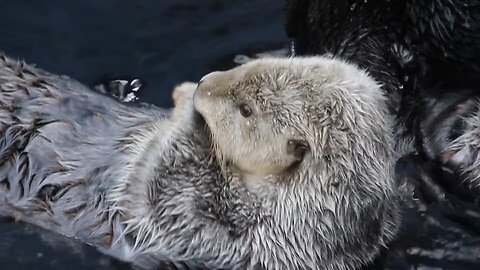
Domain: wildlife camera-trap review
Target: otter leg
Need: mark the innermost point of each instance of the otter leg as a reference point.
(182, 99)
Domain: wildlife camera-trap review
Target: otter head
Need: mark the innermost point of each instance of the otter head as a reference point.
(254, 118)
(266, 116)
(311, 139)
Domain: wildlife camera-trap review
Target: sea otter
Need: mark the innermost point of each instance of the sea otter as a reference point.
(275, 164)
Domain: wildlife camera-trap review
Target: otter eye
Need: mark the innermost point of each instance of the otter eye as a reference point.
(245, 110)
(297, 148)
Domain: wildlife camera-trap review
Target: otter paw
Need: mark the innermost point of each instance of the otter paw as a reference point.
(183, 92)
(182, 98)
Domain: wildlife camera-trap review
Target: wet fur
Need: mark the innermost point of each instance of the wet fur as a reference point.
(145, 187)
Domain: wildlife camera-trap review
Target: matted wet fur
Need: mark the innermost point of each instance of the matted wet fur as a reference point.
(306, 182)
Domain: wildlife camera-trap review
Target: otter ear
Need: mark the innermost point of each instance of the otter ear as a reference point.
(297, 148)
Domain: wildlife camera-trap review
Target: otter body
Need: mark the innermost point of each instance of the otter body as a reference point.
(290, 171)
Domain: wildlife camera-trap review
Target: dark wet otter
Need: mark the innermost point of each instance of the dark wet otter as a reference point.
(299, 176)
(426, 54)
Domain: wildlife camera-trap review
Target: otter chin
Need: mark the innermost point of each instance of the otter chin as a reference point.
(289, 167)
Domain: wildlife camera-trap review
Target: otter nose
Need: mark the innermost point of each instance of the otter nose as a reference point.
(209, 76)
(207, 84)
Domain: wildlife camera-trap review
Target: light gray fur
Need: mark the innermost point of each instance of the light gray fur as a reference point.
(143, 187)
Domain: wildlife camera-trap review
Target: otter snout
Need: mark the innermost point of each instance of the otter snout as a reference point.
(210, 87)
(209, 84)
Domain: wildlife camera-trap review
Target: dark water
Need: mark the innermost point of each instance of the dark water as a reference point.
(162, 42)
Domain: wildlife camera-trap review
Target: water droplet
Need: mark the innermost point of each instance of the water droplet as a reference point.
(209, 93)
(135, 85)
(353, 6)
(292, 48)
(400, 86)
(130, 97)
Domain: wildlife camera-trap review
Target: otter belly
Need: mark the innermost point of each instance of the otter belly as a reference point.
(61, 146)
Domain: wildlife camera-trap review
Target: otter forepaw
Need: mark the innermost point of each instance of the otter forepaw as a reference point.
(183, 98)
(182, 92)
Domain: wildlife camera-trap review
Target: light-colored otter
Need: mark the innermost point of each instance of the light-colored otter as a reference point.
(294, 169)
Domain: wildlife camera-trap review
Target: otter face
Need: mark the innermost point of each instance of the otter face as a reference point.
(249, 110)
(269, 116)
